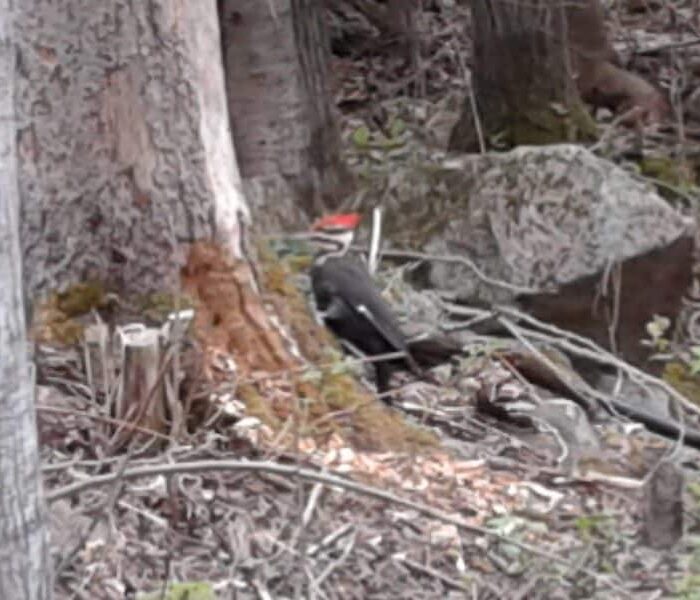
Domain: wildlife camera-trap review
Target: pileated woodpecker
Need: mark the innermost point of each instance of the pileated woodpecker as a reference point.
(351, 306)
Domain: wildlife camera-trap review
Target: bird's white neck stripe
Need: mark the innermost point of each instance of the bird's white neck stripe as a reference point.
(335, 244)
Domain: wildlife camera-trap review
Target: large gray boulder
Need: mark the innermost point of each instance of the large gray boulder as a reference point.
(560, 226)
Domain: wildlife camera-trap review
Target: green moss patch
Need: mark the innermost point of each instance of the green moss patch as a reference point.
(183, 591)
(679, 377)
(665, 169)
(61, 318)
(57, 319)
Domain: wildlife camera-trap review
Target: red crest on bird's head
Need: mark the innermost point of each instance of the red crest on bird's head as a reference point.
(340, 221)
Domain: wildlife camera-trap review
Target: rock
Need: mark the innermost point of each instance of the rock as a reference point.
(651, 399)
(539, 217)
(552, 223)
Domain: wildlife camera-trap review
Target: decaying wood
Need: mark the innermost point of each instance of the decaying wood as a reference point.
(126, 158)
(98, 359)
(135, 375)
(230, 317)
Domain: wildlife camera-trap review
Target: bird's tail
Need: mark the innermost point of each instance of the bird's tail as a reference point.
(429, 352)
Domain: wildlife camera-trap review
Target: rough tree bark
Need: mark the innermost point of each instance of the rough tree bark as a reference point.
(281, 113)
(128, 173)
(124, 144)
(525, 92)
(127, 170)
(599, 76)
(534, 62)
(25, 572)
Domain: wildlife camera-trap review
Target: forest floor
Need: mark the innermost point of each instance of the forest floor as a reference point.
(489, 510)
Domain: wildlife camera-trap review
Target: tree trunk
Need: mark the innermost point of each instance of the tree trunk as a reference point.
(599, 77)
(25, 571)
(525, 92)
(275, 58)
(127, 166)
(124, 145)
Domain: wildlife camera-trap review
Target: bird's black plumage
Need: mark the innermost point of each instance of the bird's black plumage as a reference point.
(355, 311)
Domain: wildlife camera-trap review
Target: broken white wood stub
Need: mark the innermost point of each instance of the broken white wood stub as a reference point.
(375, 241)
(140, 398)
(175, 328)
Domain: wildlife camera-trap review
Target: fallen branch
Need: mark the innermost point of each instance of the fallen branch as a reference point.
(586, 348)
(670, 46)
(316, 477)
(459, 260)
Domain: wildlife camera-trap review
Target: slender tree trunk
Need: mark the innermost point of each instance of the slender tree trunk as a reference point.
(525, 91)
(275, 57)
(124, 145)
(25, 571)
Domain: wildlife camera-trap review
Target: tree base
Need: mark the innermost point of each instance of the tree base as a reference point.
(528, 126)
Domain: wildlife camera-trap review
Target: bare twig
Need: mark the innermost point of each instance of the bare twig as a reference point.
(311, 504)
(625, 117)
(460, 260)
(581, 346)
(375, 241)
(669, 46)
(339, 561)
